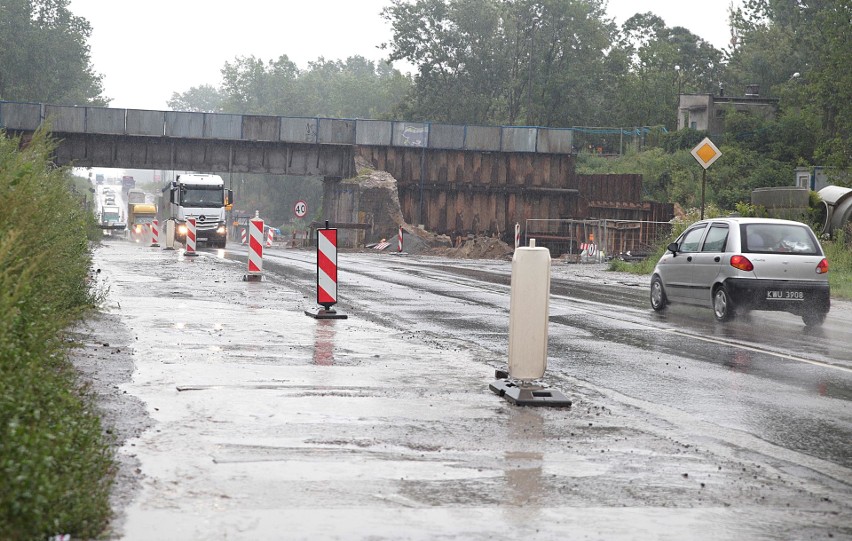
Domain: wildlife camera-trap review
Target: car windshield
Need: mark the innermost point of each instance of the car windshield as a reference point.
(202, 196)
(778, 238)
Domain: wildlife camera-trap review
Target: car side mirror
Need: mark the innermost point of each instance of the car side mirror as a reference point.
(672, 248)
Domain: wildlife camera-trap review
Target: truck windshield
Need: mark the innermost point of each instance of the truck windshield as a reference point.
(110, 216)
(202, 196)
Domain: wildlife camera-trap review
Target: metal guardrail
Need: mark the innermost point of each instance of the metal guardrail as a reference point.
(305, 130)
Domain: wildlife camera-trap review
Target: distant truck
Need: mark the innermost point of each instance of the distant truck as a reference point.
(134, 196)
(139, 218)
(198, 196)
(127, 182)
(110, 218)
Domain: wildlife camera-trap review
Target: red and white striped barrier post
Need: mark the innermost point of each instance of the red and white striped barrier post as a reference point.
(517, 235)
(155, 234)
(255, 255)
(243, 236)
(399, 243)
(326, 274)
(269, 238)
(190, 238)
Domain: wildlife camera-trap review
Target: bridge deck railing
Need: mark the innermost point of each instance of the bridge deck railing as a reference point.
(18, 116)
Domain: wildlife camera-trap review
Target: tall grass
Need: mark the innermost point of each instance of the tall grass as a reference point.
(839, 254)
(55, 466)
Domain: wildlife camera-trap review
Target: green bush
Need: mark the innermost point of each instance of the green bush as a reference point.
(838, 251)
(55, 465)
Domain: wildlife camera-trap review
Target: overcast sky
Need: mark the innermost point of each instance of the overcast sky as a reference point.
(148, 50)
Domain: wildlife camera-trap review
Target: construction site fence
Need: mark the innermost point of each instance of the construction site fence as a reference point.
(597, 241)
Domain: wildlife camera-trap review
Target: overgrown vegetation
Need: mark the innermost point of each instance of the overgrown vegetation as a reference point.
(55, 465)
(839, 254)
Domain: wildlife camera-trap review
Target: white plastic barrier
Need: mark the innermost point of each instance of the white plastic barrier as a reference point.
(529, 307)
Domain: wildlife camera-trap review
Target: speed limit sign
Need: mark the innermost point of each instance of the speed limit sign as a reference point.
(301, 209)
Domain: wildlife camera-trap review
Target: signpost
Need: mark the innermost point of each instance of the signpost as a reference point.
(705, 153)
(300, 209)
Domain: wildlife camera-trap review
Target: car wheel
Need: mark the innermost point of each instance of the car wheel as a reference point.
(814, 319)
(658, 295)
(723, 306)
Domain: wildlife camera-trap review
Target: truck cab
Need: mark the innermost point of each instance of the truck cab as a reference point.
(111, 218)
(198, 196)
(139, 218)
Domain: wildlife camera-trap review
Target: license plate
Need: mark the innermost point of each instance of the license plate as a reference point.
(202, 238)
(776, 295)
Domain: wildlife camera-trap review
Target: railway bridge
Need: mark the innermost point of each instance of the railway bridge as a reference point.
(451, 178)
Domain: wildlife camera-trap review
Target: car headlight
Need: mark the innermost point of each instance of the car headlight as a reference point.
(182, 229)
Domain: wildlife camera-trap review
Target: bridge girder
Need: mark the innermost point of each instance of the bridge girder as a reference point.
(271, 157)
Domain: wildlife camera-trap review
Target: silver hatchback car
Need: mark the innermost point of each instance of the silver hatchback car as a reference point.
(741, 264)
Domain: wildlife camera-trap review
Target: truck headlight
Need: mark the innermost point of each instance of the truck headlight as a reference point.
(182, 229)
(220, 230)
(138, 228)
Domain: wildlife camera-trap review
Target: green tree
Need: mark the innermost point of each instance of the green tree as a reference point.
(250, 85)
(458, 48)
(663, 62)
(351, 88)
(800, 51)
(44, 54)
(504, 62)
(204, 98)
(570, 66)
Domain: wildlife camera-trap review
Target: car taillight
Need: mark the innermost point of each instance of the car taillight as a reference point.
(822, 268)
(741, 262)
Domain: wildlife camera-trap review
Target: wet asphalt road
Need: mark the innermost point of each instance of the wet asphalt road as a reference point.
(681, 427)
(765, 374)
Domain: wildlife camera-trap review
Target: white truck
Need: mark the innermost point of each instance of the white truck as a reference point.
(110, 218)
(198, 196)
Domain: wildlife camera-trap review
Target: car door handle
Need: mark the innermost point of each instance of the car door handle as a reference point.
(689, 258)
(717, 259)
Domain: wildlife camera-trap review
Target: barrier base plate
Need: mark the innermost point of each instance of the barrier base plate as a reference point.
(252, 278)
(154, 246)
(530, 395)
(190, 254)
(322, 313)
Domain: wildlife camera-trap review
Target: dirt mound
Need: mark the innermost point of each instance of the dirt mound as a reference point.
(477, 248)
(376, 201)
